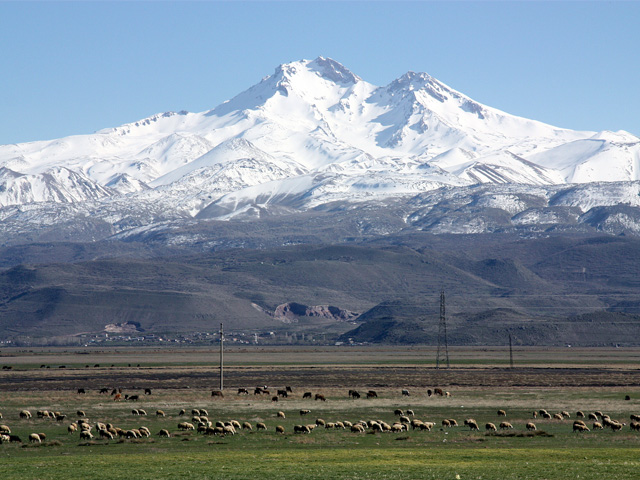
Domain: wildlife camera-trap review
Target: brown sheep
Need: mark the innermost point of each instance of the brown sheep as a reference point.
(280, 429)
(320, 397)
(164, 433)
(261, 426)
(247, 426)
(490, 427)
(502, 413)
(281, 415)
(580, 414)
(472, 424)
(577, 427)
(505, 426)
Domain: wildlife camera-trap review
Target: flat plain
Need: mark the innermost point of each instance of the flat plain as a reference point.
(480, 382)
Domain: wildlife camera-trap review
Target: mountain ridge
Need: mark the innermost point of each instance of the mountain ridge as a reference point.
(312, 130)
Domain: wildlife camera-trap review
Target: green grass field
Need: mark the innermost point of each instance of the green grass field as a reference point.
(554, 451)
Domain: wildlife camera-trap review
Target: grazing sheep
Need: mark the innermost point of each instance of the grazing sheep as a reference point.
(228, 429)
(147, 391)
(398, 411)
(282, 393)
(72, 428)
(372, 394)
(558, 416)
(81, 390)
(635, 426)
(404, 419)
(106, 434)
(186, 426)
(261, 426)
(531, 426)
(281, 415)
(275, 398)
(599, 413)
(505, 426)
(85, 435)
(347, 424)
(405, 392)
(145, 431)
(34, 438)
(301, 429)
(410, 413)
(14, 439)
(632, 417)
(438, 391)
(490, 427)
(159, 413)
(565, 414)
(502, 413)
(164, 433)
(217, 393)
(305, 412)
(580, 414)
(247, 426)
(616, 426)
(546, 416)
(577, 427)
(5, 429)
(320, 422)
(135, 412)
(307, 395)
(25, 414)
(357, 428)
(398, 427)
(416, 424)
(280, 429)
(534, 414)
(243, 391)
(452, 422)
(472, 424)
(4, 439)
(429, 392)
(340, 425)
(320, 397)
(236, 424)
(182, 412)
(597, 426)
(446, 423)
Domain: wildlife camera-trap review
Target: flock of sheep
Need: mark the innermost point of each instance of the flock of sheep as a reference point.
(200, 422)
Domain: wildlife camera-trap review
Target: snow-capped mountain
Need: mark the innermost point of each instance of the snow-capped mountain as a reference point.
(309, 134)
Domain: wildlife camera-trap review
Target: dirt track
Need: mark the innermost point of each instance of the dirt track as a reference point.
(308, 376)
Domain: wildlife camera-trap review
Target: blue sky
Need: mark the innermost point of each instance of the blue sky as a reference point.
(75, 67)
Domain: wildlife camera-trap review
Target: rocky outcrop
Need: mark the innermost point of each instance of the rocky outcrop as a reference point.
(291, 312)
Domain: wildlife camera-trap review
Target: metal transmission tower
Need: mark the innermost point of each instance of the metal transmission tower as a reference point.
(443, 347)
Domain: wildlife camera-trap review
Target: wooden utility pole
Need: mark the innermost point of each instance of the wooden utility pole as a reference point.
(510, 352)
(221, 357)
